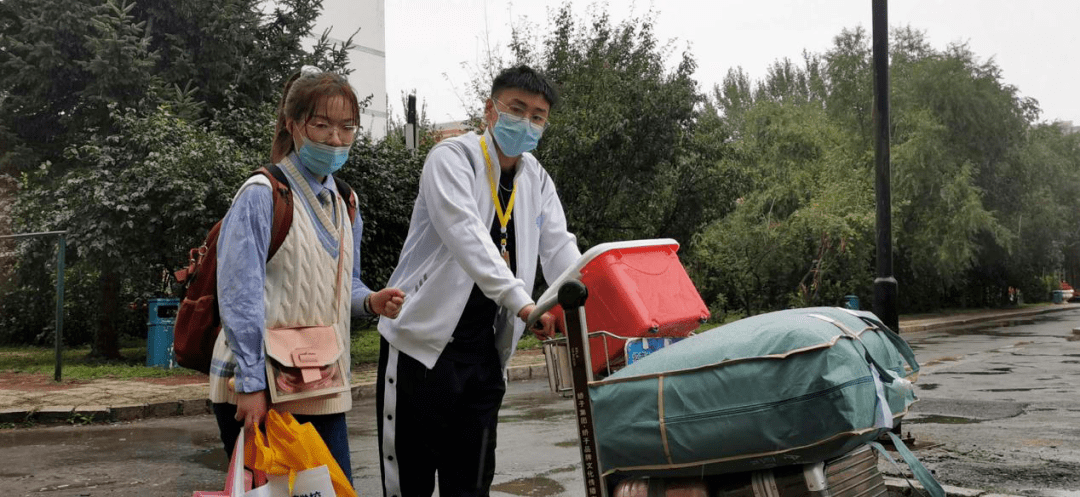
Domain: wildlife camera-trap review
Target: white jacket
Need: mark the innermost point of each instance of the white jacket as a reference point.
(449, 247)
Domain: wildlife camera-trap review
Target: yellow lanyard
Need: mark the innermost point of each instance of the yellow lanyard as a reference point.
(504, 217)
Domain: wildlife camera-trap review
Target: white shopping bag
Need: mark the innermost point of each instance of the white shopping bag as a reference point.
(314, 482)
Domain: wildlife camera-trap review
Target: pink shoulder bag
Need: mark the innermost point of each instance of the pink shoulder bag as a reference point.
(307, 361)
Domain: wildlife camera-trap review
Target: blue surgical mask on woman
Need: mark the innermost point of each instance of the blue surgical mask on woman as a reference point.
(322, 159)
(515, 135)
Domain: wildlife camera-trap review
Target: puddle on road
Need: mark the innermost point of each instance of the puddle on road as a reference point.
(994, 371)
(992, 331)
(926, 386)
(533, 487)
(110, 441)
(1010, 389)
(940, 360)
(995, 329)
(528, 415)
(1075, 336)
(568, 443)
(942, 420)
(531, 408)
(211, 458)
(1018, 322)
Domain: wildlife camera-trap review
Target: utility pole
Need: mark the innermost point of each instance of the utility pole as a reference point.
(410, 123)
(885, 286)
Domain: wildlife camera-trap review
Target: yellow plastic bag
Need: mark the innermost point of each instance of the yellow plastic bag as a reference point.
(289, 447)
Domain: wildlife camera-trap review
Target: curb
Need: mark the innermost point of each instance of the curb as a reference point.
(56, 415)
(931, 324)
(76, 415)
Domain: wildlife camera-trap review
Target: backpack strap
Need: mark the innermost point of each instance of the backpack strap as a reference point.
(283, 206)
(346, 193)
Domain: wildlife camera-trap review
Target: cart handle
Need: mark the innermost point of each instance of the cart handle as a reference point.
(550, 298)
(545, 304)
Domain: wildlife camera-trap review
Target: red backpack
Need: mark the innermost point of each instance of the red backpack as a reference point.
(198, 321)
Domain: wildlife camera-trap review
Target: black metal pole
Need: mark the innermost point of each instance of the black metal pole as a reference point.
(411, 124)
(885, 286)
(572, 297)
(61, 248)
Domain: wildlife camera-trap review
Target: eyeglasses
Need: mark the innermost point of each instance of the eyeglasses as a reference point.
(320, 129)
(537, 121)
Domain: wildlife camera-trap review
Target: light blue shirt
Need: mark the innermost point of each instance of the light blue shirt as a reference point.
(241, 270)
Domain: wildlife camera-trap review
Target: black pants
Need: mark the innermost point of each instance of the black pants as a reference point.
(439, 420)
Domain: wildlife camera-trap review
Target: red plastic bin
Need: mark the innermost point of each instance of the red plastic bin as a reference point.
(636, 289)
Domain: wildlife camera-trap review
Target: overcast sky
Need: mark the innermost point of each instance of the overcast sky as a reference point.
(1035, 43)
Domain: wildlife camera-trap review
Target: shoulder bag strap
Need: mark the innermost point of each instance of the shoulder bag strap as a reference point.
(283, 206)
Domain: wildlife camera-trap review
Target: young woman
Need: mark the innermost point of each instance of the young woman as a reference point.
(302, 286)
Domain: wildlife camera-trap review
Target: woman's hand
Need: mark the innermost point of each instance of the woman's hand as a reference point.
(251, 409)
(386, 302)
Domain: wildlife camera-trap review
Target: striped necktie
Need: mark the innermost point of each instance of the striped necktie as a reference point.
(326, 201)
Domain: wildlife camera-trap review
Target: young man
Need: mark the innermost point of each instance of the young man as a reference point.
(485, 212)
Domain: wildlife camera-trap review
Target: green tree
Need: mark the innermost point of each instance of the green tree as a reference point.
(230, 53)
(1045, 215)
(849, 87)
(938, 212)
(799, 233)
(982, 198)
(386, 178)
(119, 69)
(43, 49)
(958, 137)
(621, 144)
(88, 96)
(129, 214)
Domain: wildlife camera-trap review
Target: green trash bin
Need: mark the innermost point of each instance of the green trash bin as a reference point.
(851, 302)
(159, 334)
(1059, 296)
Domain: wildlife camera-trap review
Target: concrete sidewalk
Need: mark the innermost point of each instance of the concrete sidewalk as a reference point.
(106, 400)
(126, 400)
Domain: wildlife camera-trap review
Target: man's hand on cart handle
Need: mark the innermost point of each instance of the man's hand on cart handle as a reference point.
(544, 327)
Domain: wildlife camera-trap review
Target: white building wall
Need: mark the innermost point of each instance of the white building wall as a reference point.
(367, 59)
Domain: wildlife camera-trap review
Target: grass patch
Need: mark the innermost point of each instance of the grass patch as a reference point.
(76, 363)
(365, 344)
(528, 341)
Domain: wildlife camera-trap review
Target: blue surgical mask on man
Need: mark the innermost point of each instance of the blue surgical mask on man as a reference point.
(515, 135)
(322, 159)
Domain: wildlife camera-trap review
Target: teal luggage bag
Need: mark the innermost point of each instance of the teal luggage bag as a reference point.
(790, 387)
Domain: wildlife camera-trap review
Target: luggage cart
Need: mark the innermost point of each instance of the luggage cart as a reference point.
(637, 292)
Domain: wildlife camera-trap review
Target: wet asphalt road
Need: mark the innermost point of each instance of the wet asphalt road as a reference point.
(999, 411)
(998, 406)
(538, 453)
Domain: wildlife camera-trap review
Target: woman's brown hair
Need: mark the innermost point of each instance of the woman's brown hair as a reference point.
(304, 92)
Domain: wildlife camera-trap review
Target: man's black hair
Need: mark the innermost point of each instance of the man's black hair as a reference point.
(525, 78)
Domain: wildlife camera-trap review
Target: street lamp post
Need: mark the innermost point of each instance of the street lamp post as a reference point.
(885, 286)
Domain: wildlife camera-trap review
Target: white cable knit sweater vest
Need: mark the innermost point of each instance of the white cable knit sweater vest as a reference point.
(299, 291)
